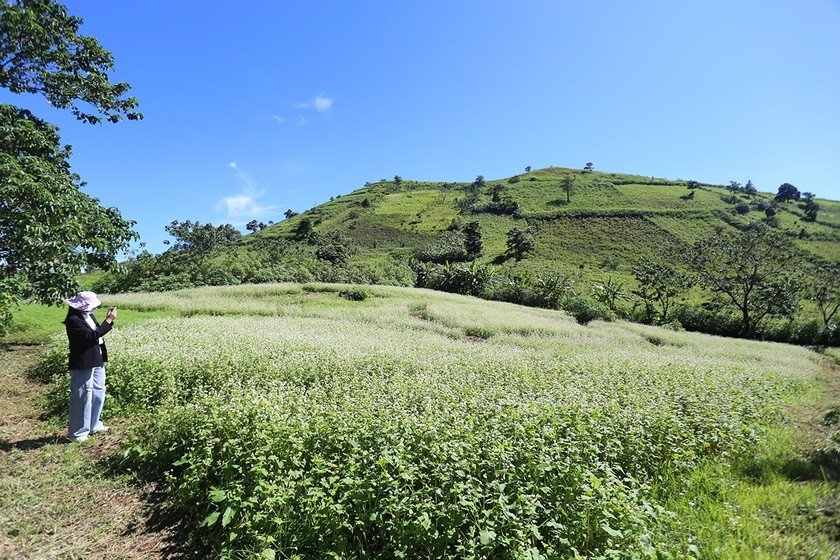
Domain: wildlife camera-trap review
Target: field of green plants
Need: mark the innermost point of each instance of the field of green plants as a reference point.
(330, 421)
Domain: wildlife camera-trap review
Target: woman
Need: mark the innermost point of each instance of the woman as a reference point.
(87, 359)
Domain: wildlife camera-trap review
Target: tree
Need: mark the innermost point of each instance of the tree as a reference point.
(609, 293)
(304, 229)
(472, 239)
(787, 192)
(750, 190)
(253, 225)
(198, 240)
(823, 288)
(734, 188)
(748, 270)
(50, 230)
(658, 283)
(527, 169)
(496, 192)
(333, 250)
(568, 186)
(811, 207)
(290, 213)
(42, 53)
(589, 167)
(473, 192)
(519, 243)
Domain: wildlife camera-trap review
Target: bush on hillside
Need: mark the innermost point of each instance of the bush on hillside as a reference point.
(699, 319)
(354, 294)
(457, 278)
(585, 310)
(499, 208)
(449, 248)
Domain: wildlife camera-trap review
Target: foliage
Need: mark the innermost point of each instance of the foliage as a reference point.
(568, 186)
(199, 240)
(585, 310)
(354, 294)
(518, 244)
(659, 283)
(304, 229)
(823, 288)
(524, 288)
(306, 430)
(811, 208)
(472, 240)
(49, 230)
(787, 192)
(450, 247)
(42, 53)
(748, 270)
(609, 293)
(335, 250)
(457, 278)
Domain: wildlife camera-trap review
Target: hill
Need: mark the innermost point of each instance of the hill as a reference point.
(581, 229)
(608, 223)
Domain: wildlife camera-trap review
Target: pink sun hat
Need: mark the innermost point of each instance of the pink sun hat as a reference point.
(84, 302)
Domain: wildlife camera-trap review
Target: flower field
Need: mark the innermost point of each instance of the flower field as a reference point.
(288, 422)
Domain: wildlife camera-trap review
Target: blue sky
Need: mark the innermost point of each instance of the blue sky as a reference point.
(255, 107)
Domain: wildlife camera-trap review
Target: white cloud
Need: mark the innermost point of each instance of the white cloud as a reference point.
(276, 118)
(322, 103)
(302, 121)
(245, 205)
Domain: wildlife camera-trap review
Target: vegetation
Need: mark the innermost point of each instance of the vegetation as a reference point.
(50, 229)
(615, 226)
(292, 421)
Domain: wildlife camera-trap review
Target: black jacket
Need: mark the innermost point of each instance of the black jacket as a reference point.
(84, 341)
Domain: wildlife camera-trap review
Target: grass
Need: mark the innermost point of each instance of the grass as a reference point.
(397, 394)
(35, 323)
(56, 500)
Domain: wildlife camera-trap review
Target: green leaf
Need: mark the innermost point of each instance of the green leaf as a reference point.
(486, 536)
(211, 519)
(217, 495)
(611, 532)
(228, 515)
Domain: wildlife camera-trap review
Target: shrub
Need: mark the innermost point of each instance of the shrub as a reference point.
(585, 310)
(708, 321)
(354, 294)
(449, 248)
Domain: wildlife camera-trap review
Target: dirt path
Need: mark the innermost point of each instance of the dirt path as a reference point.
(55, 502)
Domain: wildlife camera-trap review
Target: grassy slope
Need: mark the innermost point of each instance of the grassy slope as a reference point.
(611, 222)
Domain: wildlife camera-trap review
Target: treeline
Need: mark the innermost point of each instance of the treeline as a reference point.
(749, 283)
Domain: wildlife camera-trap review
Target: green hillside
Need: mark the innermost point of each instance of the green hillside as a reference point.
(610, 222)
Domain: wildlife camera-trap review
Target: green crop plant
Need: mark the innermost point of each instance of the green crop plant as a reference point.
(287, 422)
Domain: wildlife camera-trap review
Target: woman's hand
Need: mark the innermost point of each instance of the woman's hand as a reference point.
(112, 314)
